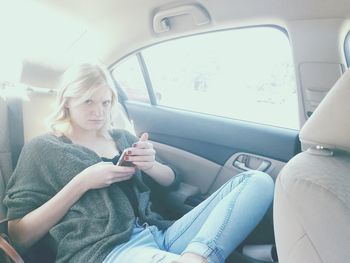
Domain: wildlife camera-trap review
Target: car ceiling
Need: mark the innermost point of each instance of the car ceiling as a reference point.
(54, 33)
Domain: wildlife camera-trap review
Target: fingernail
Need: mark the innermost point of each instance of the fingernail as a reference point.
(129, 152)
(126, 158)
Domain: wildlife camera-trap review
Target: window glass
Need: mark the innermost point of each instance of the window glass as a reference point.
(244, 74)
(347, 48)
(129, 76)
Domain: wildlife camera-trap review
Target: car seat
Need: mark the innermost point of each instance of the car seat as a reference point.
(312, 194)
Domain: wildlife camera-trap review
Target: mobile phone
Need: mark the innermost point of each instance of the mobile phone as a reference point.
(123, 162)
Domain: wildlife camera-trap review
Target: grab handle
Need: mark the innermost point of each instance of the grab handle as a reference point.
(161, 21)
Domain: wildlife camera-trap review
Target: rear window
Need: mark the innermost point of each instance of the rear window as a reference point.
(244, 74)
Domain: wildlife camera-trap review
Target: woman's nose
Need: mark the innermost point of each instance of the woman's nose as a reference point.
(98, 110)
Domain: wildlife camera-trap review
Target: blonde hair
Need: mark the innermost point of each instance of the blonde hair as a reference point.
(80, 81)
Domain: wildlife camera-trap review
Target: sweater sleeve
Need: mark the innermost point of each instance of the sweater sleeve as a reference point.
(28, 188)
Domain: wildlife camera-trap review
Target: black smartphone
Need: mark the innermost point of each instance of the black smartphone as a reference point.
(123, 162)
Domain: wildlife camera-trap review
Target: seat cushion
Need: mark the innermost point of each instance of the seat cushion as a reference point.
(312, 209)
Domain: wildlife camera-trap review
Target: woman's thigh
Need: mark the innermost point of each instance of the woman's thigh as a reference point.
(180, 234)
(141, 247)
(147, 255)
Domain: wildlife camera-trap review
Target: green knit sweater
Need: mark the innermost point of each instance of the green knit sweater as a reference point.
(100, 219)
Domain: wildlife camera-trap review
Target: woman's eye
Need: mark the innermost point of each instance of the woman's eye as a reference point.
(88, 102)
(106, 103)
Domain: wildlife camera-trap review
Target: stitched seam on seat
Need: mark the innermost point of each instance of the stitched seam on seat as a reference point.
(300, 223)
(325, 188)
(312, 244)
(296, 242)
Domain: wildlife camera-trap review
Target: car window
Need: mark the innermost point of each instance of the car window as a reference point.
(129, 76)
(347, 49)
(244, 74)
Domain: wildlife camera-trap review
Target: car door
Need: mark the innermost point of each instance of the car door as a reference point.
(211, 112)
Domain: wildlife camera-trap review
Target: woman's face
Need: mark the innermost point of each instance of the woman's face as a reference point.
(92, 114)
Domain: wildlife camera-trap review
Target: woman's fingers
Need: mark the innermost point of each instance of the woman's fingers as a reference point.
(118, 176)
(123, 169)
(144, 165)
(144, 136)
(135, 151)
(141, 158)
(121, 178)
(142, 145)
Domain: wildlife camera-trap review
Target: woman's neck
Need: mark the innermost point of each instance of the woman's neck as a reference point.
(94, 141)
(79, 135)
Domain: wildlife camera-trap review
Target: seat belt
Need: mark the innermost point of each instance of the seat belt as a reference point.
(16, 134)
(9, 251)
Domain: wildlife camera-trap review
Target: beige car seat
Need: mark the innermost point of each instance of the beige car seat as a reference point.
(312, 196)
(5, 154)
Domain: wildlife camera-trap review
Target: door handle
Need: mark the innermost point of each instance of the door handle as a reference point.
(251, 163)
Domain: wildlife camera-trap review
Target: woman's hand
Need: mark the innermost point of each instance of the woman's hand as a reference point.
(104, 174)
(142, 154)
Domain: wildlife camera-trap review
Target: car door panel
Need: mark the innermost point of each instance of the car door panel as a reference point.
(201, 176)
(210, 137)
(196, 170)
(204, 148)
(229, 170)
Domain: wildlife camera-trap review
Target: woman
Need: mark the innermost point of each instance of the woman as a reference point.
(66, 184)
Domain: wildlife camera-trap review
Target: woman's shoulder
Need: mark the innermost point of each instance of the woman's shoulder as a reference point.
(41, 142)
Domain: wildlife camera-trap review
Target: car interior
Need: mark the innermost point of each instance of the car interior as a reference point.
(311, 205)
(222, 87)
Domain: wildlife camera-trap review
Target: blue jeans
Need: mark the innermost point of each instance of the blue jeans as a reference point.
(213, 229)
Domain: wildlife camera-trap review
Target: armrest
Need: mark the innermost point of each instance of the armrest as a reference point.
(9, 250)
(178, 198)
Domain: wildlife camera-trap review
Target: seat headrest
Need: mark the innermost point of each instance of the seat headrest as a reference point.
(329, 125)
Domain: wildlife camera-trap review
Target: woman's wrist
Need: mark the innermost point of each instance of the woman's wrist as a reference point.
(161, 173)
(148, 169)
(80, 183)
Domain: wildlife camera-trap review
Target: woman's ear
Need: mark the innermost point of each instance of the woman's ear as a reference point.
(66, 104)
(66, 109)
